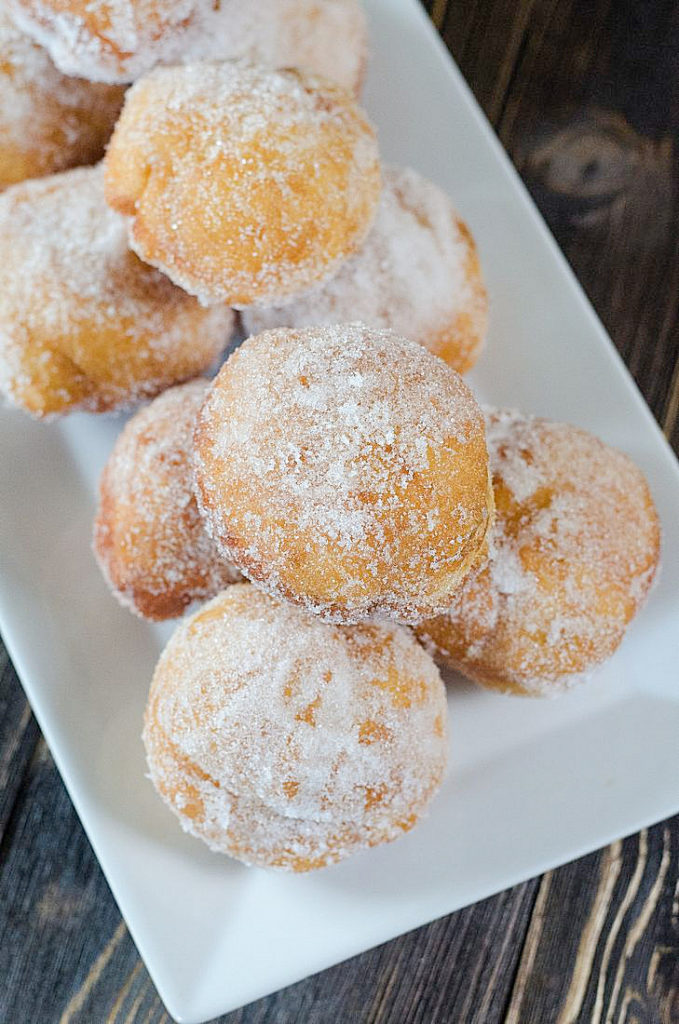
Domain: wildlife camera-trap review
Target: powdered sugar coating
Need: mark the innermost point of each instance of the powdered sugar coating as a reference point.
(289, 743)
(345, 469)
(417, 272)
(573, 555)
(83, 323)
(114, 40)
(48, 122)
(120, 40)
(244, 184)
(149, 538)
(326, 37)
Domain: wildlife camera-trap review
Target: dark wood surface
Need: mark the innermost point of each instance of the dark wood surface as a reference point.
(585, 96)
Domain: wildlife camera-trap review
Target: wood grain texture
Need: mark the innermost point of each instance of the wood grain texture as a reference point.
(18, 738)
(603, 945)
(591, 119)
(57, 914)
(585, 96)
(407, 980)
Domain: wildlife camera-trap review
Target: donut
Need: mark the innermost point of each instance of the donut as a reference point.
(289, 743)
(149, 538)
(114, 40)
(84, 324)
(48, 122)
(417, 272)
(119, 40)
(345, 469)
(243, 184)
(574, 553)
(326, 37)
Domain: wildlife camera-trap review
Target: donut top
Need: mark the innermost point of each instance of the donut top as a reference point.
(72, 261)
(325, 36)
(247, 181)
(412, 273)
(150, 474)
(575, 542)
(328, 427)
(76, 303)
(119, 40)
(28, 65)
(30, 81)
(318, 723)
(114, 40)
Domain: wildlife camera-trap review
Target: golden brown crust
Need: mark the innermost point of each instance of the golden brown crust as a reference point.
(345, 469)
(291, 744)
(461, 343)
(112, 40)
(282, 165)
(148, 536)
(120, 40)
(417, 273)
(574, 555)
(48, 121)
(84, 324)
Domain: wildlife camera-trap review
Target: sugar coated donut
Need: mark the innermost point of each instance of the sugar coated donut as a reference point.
(417, 272)
(345, 468)
(48, 122)
(244, 185)
(149, 538)
(120, 40)
(326, 37)
(114, 40)
(288, 743)
(83, 323)
(574, 553)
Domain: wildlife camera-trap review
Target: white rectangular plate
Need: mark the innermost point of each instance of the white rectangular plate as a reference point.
(532, 784)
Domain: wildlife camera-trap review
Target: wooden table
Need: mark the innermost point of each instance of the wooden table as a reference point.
(585, 96)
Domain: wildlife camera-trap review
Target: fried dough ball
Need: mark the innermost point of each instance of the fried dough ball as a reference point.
(244, 185)
(326, 37)
(114, 40)
(120, 40)
(48, 122)
(289, 743)
(345, 469)
(417, 272)
(149, 538)
(573, 556)
(84, 324)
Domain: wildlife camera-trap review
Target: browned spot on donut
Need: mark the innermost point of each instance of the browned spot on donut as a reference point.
(407, 823)
(308, 714)
(373, 732)
(374, 795)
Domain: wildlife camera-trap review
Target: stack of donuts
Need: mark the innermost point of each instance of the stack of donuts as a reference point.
(330, 505)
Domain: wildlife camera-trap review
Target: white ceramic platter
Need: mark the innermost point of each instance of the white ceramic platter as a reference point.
(532, 784)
